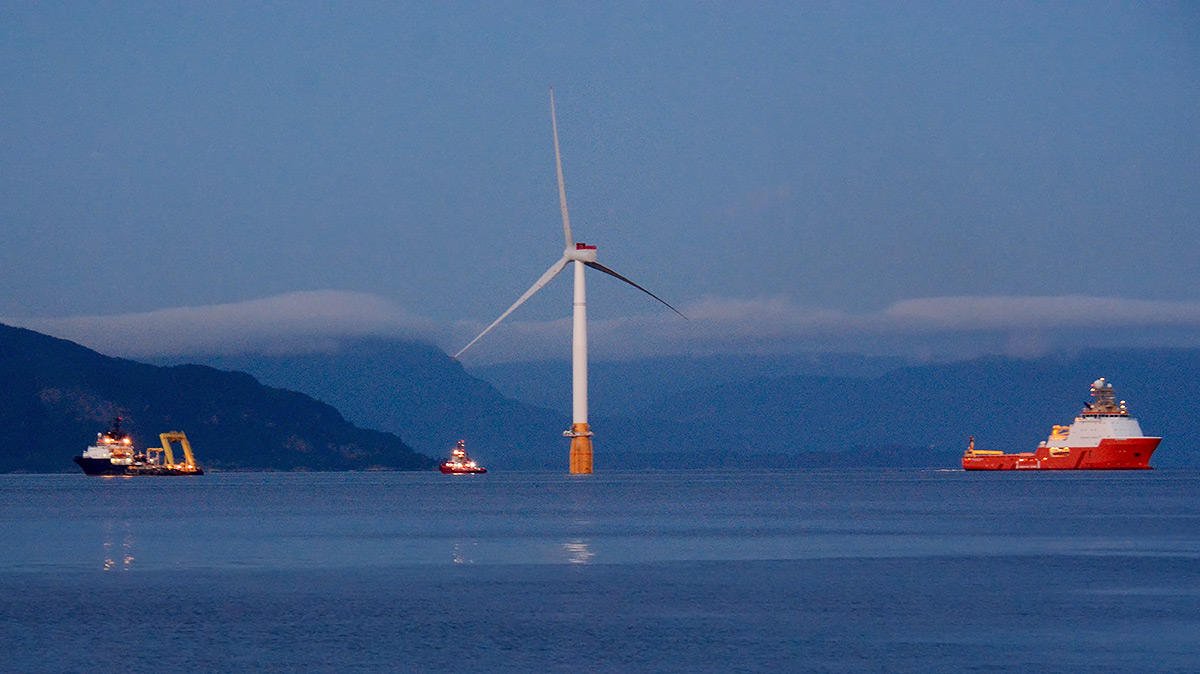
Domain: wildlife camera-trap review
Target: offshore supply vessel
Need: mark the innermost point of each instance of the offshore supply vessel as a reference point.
(459, 463)
(1103, 437)
(114, 454)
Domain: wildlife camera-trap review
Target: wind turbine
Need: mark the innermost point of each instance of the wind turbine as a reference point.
(583, 255)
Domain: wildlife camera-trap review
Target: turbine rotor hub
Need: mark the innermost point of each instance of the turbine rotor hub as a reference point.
(581, 252)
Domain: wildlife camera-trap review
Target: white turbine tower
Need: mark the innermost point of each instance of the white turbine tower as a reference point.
(582, 255)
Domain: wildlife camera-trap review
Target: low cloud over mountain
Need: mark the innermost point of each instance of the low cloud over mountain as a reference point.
(939, 328)
(298, 322)
(936, 328)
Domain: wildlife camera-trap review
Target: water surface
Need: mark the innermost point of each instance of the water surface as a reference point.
(715, 571)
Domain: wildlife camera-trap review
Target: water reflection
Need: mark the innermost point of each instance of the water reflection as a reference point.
(578, 552)
(118, 556)
(460, 553)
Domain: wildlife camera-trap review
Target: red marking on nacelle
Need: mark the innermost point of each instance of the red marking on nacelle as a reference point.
(584, 246)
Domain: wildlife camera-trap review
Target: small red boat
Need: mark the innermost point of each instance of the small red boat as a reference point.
(459, 462)
(1103, 437)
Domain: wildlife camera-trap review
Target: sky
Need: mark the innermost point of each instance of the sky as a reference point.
(930, 179)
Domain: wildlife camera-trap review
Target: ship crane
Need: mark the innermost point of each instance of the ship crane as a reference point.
(167, 438)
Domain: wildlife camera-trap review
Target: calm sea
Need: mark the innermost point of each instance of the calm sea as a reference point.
(619, 571)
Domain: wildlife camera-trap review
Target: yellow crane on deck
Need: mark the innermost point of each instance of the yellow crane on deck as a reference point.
(189, 459)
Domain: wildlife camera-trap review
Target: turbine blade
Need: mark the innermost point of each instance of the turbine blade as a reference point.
(606, 270)
(562, 188)
(546, 278)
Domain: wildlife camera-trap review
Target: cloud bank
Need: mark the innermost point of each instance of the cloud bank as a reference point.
(935, 328)
(291, 323)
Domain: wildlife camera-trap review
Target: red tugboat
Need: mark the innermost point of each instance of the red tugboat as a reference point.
(459, 462)
(1103, 437)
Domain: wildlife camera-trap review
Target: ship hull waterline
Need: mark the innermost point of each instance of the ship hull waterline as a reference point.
(451, 470)
(1110, 454)
(104, 467)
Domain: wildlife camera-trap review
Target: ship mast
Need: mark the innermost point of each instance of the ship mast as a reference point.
(1105, 401)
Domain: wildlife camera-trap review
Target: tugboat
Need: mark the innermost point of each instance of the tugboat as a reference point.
(459, 463)
(114, 454)
(1103, 437)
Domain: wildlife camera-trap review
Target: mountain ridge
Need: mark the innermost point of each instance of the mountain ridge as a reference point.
(415, 390)
(59, 394)
(883, 415)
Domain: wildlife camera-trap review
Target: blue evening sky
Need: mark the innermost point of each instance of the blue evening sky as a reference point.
(842, 156)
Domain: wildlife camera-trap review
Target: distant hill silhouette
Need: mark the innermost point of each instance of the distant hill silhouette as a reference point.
(56, 395)
(418, 392)
(629, 388)
(794, 412)
(920, 415)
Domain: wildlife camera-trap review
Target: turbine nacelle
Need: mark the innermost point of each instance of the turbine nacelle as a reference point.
(580, 252)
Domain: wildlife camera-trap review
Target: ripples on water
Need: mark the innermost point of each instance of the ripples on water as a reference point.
(896, 570)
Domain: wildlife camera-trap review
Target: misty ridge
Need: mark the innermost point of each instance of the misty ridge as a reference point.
(806, 411)
(918, 330)
(58, 395)
(810, 411)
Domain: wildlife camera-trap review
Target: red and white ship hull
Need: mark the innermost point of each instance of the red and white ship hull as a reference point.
(1110, 454)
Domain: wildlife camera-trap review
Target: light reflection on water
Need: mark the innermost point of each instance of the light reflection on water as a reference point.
(578, 552)
(461, 553)
(117, 557)
(346, 520)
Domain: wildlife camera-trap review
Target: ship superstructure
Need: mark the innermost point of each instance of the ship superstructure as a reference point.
(113, 447)
(1104, 436)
